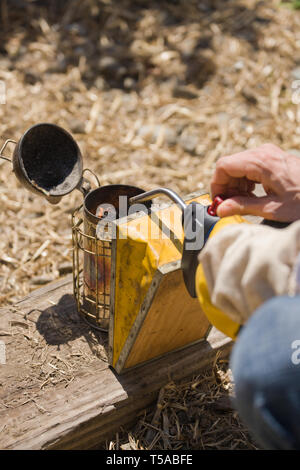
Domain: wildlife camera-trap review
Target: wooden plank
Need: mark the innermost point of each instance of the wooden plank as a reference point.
(57, 390)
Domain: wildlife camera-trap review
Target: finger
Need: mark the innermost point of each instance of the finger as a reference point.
(236, 187)
(244, 165)
(265, 206)
(243, 188)
(250, 186)
(236, 192)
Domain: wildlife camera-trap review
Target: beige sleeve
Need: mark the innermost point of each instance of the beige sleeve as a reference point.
(245, 265)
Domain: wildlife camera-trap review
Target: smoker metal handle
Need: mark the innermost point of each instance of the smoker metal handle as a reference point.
(159, 192)
(85, 186)
(4, 147)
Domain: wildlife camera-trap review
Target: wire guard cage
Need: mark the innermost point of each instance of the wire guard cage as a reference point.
(91, 271)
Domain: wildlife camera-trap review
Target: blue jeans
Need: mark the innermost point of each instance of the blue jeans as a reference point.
(266, 368)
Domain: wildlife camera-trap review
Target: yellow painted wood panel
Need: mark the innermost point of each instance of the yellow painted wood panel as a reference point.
(173, 321)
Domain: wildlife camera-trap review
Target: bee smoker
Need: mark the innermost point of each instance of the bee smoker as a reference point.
(133, 274)
(47, 161)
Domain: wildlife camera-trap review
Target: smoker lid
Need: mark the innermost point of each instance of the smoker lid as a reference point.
(50, 160)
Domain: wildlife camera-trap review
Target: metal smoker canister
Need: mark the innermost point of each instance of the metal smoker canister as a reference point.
(92, 287)
(47, 161)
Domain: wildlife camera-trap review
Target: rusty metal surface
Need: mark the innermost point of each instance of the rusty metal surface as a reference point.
(92, 253)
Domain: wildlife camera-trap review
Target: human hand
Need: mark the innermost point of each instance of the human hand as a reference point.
(279, 173)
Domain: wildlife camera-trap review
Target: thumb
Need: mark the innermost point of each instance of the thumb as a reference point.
(265, 206)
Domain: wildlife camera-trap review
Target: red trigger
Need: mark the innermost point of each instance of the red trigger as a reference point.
(212, 209)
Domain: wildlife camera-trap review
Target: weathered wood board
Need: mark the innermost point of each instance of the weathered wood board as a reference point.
(56, 388)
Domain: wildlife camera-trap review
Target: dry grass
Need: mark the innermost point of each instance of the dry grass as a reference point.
(118, 75)
(154, 93)
(194, 415)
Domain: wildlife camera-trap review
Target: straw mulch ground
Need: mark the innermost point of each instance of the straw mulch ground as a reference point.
(194, 415)
(154, 93)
